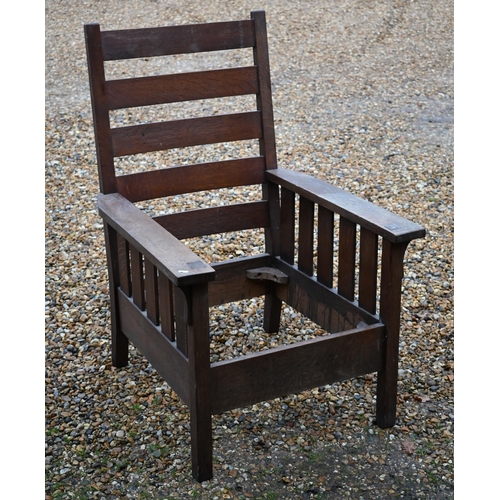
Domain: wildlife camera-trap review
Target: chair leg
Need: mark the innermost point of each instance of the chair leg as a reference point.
(272, 311)
(119, 341)
(119, 347)
(199, 382)
(390, 311)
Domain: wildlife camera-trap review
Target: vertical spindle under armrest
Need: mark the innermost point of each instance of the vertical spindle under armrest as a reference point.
(151, 288)
(325, 246)
(124, 264)
(306, 235)
(347, 258)
(287, 225)
(368, 260)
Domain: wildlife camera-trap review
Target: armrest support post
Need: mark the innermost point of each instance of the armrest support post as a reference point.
(390, 313)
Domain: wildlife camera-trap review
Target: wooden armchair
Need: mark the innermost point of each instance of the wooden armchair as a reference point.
(161, 291)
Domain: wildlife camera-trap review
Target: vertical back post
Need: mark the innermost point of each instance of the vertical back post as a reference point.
(267, 146)
(100, 110)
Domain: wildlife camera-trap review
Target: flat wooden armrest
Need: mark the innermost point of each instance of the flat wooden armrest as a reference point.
(382, 222)
(165, 251)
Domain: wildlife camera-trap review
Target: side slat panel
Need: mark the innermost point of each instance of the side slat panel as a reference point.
(391, 226)
(293, 368)
(182, 133)
(216, 220)
(147, 91)
(191, 178)
(168, 40)
(158, 350)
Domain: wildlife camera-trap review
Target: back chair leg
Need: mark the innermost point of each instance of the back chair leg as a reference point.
(390, 311)
(272, 311)
(199, 377)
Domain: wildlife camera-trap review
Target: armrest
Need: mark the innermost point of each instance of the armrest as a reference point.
(165, 251)
(382, 222)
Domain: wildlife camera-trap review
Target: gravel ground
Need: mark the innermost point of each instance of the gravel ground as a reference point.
(363, 95)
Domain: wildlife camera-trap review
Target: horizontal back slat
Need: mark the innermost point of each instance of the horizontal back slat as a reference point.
(191, 178)
(182, 133)
(221, 219)
(147, 91)
(168, 40)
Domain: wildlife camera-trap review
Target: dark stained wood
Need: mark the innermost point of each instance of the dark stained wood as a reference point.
(380, 221)
(167, 360)
(137, 272)
(199, 382)
(306, 235)
(231, 283)
(119, 341)
(272, 303)
(390, 314)
(160, 291)
(325, 246)
(181, 315)
(165, 251)
(347, 258)
(264, 98)
(271, 193)
(150, 90)
(287, 228)
(102, 130)
(159, 136)
(166, 306)
(184, 39)
(267, 146)
(214, 220)
(323, 305)
(292, 368)
(123, 252)
(368, 259)
(272, 309)
(153, 184)
(151, 288)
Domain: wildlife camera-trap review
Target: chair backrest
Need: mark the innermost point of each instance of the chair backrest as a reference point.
(113, 142)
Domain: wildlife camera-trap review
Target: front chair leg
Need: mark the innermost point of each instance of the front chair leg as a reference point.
(390, 312)
(119, 342)
(199, 381)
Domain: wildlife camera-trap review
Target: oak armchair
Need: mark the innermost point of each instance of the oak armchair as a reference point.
(161, 291)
